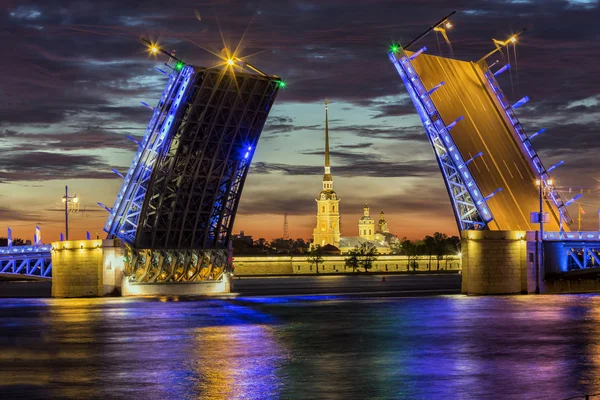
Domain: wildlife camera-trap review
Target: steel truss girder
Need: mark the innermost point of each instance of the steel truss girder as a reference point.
(582, 256)
(35, 265)
(196, 185)
(184, 186)
(122, 221)
(172, 266)
(470, 207)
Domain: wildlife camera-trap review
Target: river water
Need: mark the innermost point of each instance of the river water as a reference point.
(297, 347)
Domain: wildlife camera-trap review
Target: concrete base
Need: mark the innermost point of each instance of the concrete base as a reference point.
(499, 262)
(573, 286)
(86, 268)
(176, 289)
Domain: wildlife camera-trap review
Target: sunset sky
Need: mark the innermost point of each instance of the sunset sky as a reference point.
(74, 74)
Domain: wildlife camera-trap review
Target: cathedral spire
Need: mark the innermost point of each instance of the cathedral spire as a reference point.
(326, 135)
(327, 178)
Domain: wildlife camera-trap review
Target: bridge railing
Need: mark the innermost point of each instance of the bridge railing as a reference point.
(562, 236)
(44, 248)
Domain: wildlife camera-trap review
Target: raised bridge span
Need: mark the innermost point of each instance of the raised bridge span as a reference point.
(489, 165)
(486, 158)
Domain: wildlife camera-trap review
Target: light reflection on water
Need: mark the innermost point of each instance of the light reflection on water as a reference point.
(301, 347)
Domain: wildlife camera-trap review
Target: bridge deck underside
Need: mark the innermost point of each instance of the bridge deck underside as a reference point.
(484, 129)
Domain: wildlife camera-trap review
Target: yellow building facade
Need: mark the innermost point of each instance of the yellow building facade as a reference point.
(366, 225)
(327, 230)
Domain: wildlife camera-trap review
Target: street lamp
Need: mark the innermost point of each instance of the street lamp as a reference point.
(539, 242)
(68, 200)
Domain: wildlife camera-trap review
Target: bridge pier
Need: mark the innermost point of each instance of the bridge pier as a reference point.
(499, 262)
(86, 268)
(94, 268)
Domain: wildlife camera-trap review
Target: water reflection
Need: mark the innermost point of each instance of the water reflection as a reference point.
(302, 346)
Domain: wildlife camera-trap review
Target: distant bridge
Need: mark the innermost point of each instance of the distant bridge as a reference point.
(32, 262)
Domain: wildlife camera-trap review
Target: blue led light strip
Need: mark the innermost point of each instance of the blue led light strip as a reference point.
(232, 194)
(470, 208)
(124, 217)
(527, 148)
(584, 236)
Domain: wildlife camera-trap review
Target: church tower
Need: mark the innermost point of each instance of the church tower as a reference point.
(327, 230)
(382, 223)
(366, 225)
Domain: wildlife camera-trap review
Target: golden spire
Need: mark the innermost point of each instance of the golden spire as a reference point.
(326, 134)
(327, 178)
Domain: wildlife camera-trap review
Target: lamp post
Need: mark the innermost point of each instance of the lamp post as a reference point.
(68, 200)
(539, 242)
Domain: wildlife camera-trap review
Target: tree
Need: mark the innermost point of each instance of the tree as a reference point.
(315, 256)
(409, 249)
(440, 244)
(300, 246)
(282, 245)
(429, 248)
(454, 244)
(367, 255)
(261, 243)
(15, 242)
(352, 259)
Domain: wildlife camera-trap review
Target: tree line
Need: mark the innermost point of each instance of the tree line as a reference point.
(15, 242)
(435, 246)
(362, 256)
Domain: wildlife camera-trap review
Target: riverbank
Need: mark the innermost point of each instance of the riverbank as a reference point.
(391, 284)
(377, 284)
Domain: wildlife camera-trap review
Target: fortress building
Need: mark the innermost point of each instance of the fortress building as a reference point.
(366, 225)
(327, 230)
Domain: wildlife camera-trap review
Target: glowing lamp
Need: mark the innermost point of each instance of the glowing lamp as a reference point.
(550, 181)
(282, 84)
(448, 24)
(513, 39)
(230, 61)
(178, 66)
(537, 182)
(394, 48)
(64, 199)
(154, 49)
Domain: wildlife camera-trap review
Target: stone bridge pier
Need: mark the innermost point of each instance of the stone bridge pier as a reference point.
(500, 262)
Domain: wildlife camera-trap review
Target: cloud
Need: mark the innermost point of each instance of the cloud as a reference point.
(12, 214)
(91, 138)
(418, 199)
(362, 166)
(39, 166)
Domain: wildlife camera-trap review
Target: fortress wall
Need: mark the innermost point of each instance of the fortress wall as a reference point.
(287, 265)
